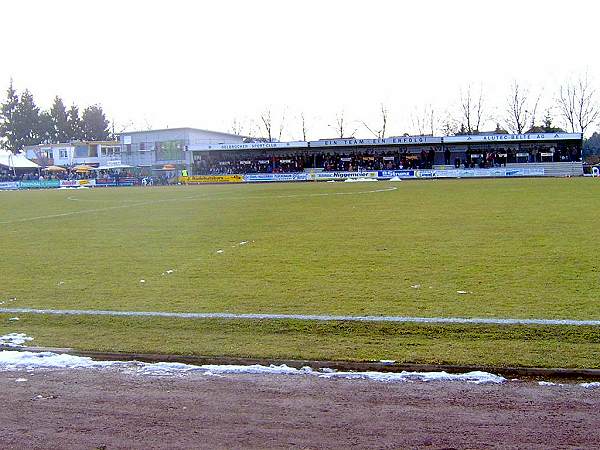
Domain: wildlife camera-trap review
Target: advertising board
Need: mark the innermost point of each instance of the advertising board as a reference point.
(39, 184)
(324, 176)
(197, 179)
(268, 177)
(114, 182)
(387, 174)
(77, 183)
(481, 173)
(8, 185)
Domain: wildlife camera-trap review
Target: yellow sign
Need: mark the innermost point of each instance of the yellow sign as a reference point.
(211, 179)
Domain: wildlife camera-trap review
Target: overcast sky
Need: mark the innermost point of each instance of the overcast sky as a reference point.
(202, 64)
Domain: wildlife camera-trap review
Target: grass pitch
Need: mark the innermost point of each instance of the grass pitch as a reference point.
(520, 248)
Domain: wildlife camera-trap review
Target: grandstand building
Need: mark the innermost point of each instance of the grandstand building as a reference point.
(203, 152)
(558, 153)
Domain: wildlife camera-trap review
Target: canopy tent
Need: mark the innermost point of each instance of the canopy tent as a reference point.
(82, 168)
(114, 166)
(165, 168)
(54, 169)
(18, 161)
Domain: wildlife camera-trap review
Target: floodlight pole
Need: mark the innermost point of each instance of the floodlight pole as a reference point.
(10, 158)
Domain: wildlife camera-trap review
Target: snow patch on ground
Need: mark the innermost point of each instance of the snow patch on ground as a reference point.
(24, 360)
(470, 377)
(594, 384)
(359, 180)
(14, 339)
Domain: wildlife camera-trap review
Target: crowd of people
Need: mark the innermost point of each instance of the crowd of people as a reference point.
(243, 163)
(41, 175)
(298, 162)
(161, 178)
(223, 163)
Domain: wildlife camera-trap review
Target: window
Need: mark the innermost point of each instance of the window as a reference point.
(110, 151)
(81, 151)
(63, 153)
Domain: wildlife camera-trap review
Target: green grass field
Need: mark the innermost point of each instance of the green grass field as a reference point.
(521, 248)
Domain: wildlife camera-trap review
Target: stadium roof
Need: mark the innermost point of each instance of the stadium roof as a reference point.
(201, 130)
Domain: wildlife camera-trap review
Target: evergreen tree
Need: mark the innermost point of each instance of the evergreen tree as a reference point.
(95, 125)
(60, 123)
(27, 121)
(74, 128)
(7, 120)
(591, 146)
(46, 130)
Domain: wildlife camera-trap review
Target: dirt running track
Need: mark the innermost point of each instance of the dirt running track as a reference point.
(88, 409)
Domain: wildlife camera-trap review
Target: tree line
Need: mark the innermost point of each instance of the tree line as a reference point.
(23, 123)
(573, 108)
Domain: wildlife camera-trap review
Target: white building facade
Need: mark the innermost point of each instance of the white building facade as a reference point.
(103, 153)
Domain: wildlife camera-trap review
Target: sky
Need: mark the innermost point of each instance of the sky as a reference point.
(159, 64)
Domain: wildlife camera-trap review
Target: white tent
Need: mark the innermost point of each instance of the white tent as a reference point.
(18, 161)
(112, 166)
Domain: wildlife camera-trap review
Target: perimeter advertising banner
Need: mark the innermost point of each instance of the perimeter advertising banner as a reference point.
(197, 179)
(8, 185)
(324, 176)
(77, 183)
(113, 182)
(387, 174)
(481, 173)
(37, 184)
(268, 177)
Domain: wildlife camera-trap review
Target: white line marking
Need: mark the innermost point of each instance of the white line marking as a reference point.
(311, 317)
(152, 202)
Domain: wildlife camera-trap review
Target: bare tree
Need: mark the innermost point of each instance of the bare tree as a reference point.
(379, 132)
(567, 103)
(281, 125)
(118, 128)
(384, 118)
(577, 104)
(533, 115)
(471, 110)
(424, 122)
(517, 114)
(418, 122)
(265, 118)
(267, 125)
(303, 126)
(237, 127)
(432, 120)
(449, 125)
(340, 124)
